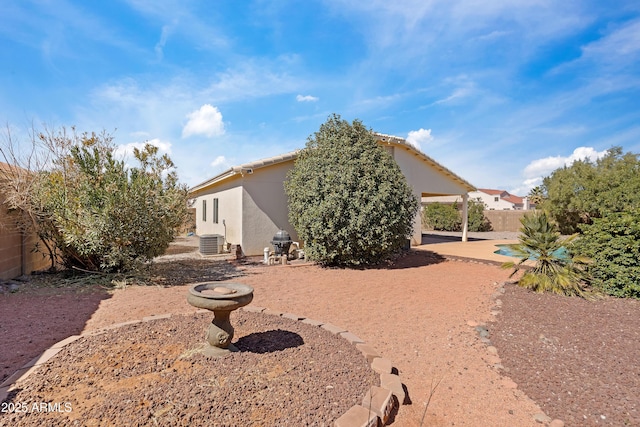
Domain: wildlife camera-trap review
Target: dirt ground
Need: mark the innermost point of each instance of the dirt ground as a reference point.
(423, 313)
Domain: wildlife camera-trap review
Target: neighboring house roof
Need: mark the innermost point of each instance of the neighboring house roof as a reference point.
(492, 192)
(389, 139)
(514, 199)
(504, 195)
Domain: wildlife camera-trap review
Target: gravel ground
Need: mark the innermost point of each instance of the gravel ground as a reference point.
(574, 358)
(287, 373)
(577, 359)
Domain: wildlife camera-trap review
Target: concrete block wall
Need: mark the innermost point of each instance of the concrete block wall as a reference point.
(505, 220)
(16, 251)
(10, 251)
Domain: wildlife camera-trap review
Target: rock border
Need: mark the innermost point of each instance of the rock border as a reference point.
(379, 405)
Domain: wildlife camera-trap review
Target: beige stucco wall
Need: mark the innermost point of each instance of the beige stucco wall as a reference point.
(253, 206)
(423, 179)
(229, 197)
(265, 207)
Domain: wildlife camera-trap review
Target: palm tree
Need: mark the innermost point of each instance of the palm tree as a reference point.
(556, 269)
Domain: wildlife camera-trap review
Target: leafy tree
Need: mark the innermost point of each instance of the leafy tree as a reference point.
(586, 190)
(348, 199)
(613, 242)
(441, 217)
(556, 268)
(90, 209)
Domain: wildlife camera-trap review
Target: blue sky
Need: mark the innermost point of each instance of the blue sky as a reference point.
(501, 92)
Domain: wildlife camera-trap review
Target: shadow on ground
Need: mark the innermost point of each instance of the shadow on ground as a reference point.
(429, 239)
(185, 271)
(37, 317)
(269, 341)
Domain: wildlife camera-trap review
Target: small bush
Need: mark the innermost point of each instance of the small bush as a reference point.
(613, 242)
(556, 268)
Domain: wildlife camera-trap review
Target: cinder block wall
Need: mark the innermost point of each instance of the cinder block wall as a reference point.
(10, 248)
(505, 220)
(16, 255)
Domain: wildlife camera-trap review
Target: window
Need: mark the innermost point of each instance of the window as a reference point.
(496, 199)
(204, 210)
(215, 210)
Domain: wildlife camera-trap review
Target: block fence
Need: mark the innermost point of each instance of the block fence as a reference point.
(16, 249)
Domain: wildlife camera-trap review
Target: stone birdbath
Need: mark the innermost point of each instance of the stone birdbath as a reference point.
(222, 299)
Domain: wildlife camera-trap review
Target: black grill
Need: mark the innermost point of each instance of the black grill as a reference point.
(281, 243)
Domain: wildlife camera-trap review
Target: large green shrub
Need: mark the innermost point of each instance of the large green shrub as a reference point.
(441, 217)
(94, 212)
(348, 200)
(613, 242)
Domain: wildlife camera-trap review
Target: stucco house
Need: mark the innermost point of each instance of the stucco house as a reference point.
(247, 204)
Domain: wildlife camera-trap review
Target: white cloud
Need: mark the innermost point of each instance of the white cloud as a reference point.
(205, 121)
(255, 79)
(419, 137)
(219, 161)
(159, 48)
(535, 171)
(126, 150)
(306, 98)
(543, 167)
(459, 93)
(623, 44)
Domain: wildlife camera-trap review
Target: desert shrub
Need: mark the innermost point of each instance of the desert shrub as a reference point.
(557, 269)
(477, 220)
(348, 199)
(613, 242)
(91, 210)
(441, 217)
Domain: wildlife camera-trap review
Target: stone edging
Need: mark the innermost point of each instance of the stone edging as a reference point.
(377, 405)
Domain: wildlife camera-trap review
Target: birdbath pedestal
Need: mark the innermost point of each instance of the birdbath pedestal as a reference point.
(222, 299)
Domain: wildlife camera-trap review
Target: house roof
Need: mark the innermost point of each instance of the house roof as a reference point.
(504, 195)
(381, 138)
(514, 199)
(245, 168)
(492, 192)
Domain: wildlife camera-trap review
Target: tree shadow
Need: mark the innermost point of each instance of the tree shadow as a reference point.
(269, 341)
(38, 316)
(184, 271)
(430, 239)
(411, 258)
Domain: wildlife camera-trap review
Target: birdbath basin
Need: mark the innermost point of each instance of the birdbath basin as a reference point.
(222, 299)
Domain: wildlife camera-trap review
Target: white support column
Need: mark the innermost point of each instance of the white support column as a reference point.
(465, 216)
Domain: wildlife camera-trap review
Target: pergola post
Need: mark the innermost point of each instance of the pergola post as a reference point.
(465, 216)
